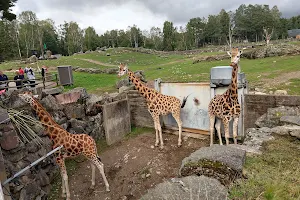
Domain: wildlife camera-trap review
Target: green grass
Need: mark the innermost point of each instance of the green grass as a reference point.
(292, 86)
(274, 175)
(170, 68)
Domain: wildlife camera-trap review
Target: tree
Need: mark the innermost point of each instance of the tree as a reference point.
(5, 11)
(156, 37)
(195, 29)
(90, 39)
(169, 36)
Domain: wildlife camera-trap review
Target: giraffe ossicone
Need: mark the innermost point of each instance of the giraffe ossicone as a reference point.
(74, 144)
(158, 104)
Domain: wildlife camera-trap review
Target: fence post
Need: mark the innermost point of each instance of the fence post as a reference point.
(21, 83)
(56, 79)
(44, 82)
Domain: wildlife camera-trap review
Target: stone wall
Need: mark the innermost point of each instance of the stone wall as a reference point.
(140, 115)
(257, 105)
(76, 111)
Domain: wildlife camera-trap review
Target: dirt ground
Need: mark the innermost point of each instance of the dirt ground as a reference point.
(132, 167)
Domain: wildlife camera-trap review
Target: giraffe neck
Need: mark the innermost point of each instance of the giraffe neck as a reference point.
(46, 119)
(233, 91)
(143, 90)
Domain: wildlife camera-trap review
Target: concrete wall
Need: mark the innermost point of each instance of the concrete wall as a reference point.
(116, 117)
(257, 105)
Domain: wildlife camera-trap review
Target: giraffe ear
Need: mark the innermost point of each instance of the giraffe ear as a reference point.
(228, 52)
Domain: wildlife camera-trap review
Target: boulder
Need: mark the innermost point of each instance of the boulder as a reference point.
(273, 115)
(50, 103)
(123, 82)
(111, 70)
(218, 161)
(292, 130)
(280, 92)
(52, 91)
(72, 96)
(290, 119)
(187, 188)
(93, 103)
(126, 88)
(74, 110)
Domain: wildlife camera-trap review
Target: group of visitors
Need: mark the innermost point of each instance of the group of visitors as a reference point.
(20, 75)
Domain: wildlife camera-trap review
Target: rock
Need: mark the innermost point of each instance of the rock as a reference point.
(43, 178)
(291, 119)
(77, 123)
(292, 130)
(126, 88)
(256, 136)
(248, 149)
(74, 110)
(93, 103)
(14, 101)
(32, 59)
(219, 161)
(187, 188)
(273, 116)
(98, 129)
(32, 147)
(50, 103)
(111, 70)
(72, 96)
(280, 92)
(123, 82)
(52, 91)
(9, 140)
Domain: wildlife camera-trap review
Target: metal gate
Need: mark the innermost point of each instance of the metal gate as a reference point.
(194, 115)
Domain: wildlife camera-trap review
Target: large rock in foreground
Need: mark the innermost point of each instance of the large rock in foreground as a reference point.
(218, 161)
(187, 188)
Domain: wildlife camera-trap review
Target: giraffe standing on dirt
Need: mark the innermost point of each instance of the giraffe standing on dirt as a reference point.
(226, 106)
(158, 104)
(74, 144)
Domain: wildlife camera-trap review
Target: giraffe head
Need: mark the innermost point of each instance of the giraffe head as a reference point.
(123, 69)
(235, 55)
(27, 97)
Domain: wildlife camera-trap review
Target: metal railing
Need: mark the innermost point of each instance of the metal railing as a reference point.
(26, 82)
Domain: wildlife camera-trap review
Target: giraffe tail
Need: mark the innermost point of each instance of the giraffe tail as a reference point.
(184, 100)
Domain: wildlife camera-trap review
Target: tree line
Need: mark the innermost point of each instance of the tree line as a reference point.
(21, 34)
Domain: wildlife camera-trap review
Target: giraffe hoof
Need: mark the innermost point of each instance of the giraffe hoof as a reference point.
(107, 190)
(156, 144)
(179, 145)
(161, 147)
(63, 195)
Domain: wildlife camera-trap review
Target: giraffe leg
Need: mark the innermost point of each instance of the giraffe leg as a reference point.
(226, 127)
(93, 175)
(65, 184)
(212, 128)
(218, 127)
(235, 129)
(156, 134)
(100, 166)
(63, 188)
(160, 136)
(179, 122)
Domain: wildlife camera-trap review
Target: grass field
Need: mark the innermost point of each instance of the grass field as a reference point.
(270, 73)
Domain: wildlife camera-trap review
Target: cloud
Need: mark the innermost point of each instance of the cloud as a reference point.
(119, 14)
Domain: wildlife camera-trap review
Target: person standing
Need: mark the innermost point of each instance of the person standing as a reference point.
(21, 72)
(18, 79)
(30, 76)
(3, 77)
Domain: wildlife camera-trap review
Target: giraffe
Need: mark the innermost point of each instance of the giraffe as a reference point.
(226, 106)
(158, 104)
(74, 144)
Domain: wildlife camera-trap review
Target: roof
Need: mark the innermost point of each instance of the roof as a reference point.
(293, 32)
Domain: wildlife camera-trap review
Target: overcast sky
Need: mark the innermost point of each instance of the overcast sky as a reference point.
(119, 14)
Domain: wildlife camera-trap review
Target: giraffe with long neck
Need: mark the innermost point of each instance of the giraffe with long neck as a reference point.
(73, 144)
(226, 106)
(158, 104)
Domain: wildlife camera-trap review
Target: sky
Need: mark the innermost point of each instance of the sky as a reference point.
(106, 15)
